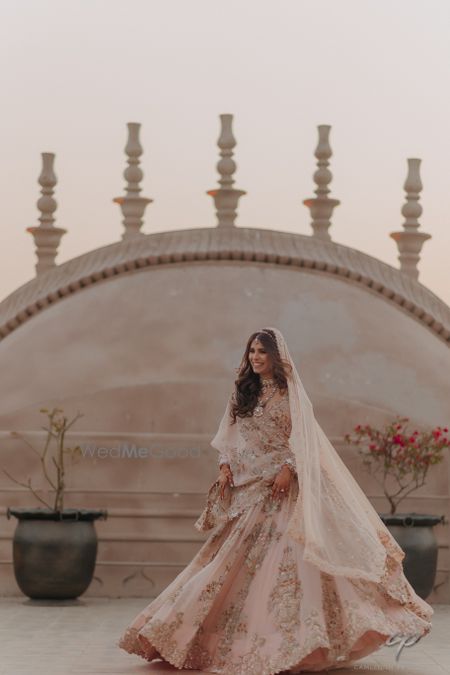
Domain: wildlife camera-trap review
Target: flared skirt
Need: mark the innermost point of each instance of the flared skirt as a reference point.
(249, 604)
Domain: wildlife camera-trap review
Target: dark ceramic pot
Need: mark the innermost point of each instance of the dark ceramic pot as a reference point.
(414, 533)
(54, 552)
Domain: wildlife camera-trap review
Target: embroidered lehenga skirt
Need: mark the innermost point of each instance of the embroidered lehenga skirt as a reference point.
(249, 604)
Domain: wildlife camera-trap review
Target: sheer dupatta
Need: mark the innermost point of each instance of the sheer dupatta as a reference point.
(341, 532)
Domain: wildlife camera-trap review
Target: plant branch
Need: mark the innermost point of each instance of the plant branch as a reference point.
(29, 486)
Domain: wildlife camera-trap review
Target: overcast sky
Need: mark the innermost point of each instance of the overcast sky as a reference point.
(74, 73)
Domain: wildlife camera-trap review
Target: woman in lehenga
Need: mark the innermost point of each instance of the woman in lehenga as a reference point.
(299, 572)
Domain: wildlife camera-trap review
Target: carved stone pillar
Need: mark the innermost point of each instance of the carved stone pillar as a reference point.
(132, 205)
(226, 197)
(321, 207)
(409, 240)
(46, 235)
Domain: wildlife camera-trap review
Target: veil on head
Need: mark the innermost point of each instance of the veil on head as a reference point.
(341, 532)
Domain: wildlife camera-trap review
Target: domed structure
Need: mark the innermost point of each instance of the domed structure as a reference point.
(143, 336)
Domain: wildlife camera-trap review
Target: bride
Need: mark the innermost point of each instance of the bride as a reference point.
(299, 572)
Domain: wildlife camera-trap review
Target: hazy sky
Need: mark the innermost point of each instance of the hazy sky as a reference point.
(74, 73)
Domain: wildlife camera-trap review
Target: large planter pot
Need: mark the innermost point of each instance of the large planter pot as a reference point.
(414, 533)
(54, 552)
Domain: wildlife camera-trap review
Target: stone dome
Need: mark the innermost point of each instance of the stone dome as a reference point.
(146, 335)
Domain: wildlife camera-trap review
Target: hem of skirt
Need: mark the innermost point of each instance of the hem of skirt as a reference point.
(134, 643)
(292, 667)
(349, 658)
(138, 649)
(131, 645)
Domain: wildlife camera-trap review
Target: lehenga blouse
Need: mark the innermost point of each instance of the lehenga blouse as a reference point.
(263, 447)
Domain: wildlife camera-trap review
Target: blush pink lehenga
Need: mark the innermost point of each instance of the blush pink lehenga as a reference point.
(248, 603)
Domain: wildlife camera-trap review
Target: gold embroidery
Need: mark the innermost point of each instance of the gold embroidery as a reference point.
(332, 610)
(284, 601)
(265, 435)
(198, 657)
(162, 633)
(208, 595)
(232, 621)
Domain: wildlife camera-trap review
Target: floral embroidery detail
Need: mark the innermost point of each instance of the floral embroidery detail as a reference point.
(207, 597)
(232, 621)
(162, 634)
(265, 440)
(251, 663)
(198, 657)
(332, 610)
(284, 601)
(173, 596)
(129, 641)
(272, 429)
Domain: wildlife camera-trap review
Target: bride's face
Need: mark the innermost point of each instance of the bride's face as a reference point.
(260, 359)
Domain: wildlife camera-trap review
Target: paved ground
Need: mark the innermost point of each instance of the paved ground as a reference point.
(46, 638)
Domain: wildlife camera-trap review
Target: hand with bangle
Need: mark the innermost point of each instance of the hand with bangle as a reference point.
(226, 476)
(283, 479)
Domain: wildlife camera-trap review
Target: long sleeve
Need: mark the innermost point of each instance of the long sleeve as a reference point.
(226, 439)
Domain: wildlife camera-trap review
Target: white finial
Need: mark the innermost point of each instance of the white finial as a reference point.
(132, 205)
(409, 240)
(46, 235)
(321, 207)
(226, 197)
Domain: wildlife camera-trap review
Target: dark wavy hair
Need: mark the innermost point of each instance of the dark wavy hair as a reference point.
(248, 383)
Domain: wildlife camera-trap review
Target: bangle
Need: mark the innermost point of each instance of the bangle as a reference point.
(291, 467)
